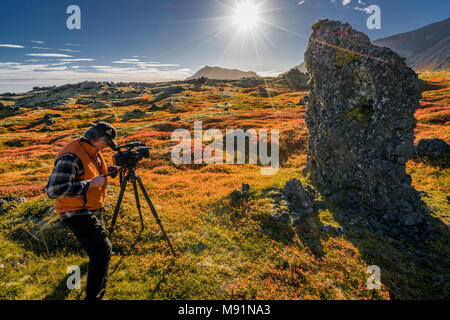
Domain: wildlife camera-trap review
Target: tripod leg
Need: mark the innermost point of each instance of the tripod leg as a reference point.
(119, 202)
(155, 214)
(138, 204)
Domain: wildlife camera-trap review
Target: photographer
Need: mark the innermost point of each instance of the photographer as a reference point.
(79, 190)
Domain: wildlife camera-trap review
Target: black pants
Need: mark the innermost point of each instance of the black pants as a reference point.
(91, 233)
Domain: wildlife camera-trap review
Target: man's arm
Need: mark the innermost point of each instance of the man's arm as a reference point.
(62, 183)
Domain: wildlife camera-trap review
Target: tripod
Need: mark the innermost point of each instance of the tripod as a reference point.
(129, 174)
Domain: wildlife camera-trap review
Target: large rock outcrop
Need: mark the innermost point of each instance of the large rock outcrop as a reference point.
(361, 123)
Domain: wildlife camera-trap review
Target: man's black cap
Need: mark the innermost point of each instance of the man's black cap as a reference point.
(108, 131)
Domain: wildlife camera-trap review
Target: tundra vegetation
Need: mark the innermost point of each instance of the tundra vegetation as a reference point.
(227, 249)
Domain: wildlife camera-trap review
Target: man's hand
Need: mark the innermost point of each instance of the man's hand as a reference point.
(97, 182)
(112, 169)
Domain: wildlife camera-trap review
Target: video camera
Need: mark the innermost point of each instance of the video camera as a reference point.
(130, 157)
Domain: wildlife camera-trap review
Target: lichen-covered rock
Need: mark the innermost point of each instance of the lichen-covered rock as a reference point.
(360, 117)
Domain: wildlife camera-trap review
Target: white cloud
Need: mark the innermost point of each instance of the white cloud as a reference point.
(42, 48)
(69, 50)
(52, 55)
(360, 2)
(73, 44)
(29, 75)
(129, 61)
(301, 2)
(77, 59)
(17, 46)
(362, 9)
(144, 65)
(54, 68)
(346, 2)
(65, 50)
(151, 64)
(37, 41)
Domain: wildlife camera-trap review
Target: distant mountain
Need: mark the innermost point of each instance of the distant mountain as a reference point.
(301, 67)
(222, 74)
(427, 48)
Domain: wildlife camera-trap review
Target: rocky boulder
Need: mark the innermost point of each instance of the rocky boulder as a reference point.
(301, 199)
(8, 111)
(433, 149)
(295, 79)
(168, 92)
(360, 117)
(89, 85)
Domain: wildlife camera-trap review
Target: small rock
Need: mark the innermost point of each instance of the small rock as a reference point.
(46, 129)
(164, 127)
(240, 194)
(10, 202)
(432, 148)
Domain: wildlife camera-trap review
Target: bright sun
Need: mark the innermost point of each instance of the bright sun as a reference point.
(246, 15)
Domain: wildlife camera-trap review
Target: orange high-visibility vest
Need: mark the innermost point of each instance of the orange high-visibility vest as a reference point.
(95, 197)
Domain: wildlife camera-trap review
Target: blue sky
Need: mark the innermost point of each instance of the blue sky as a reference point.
(145, 40)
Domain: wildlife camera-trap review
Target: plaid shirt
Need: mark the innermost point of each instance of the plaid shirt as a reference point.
(62, 182)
